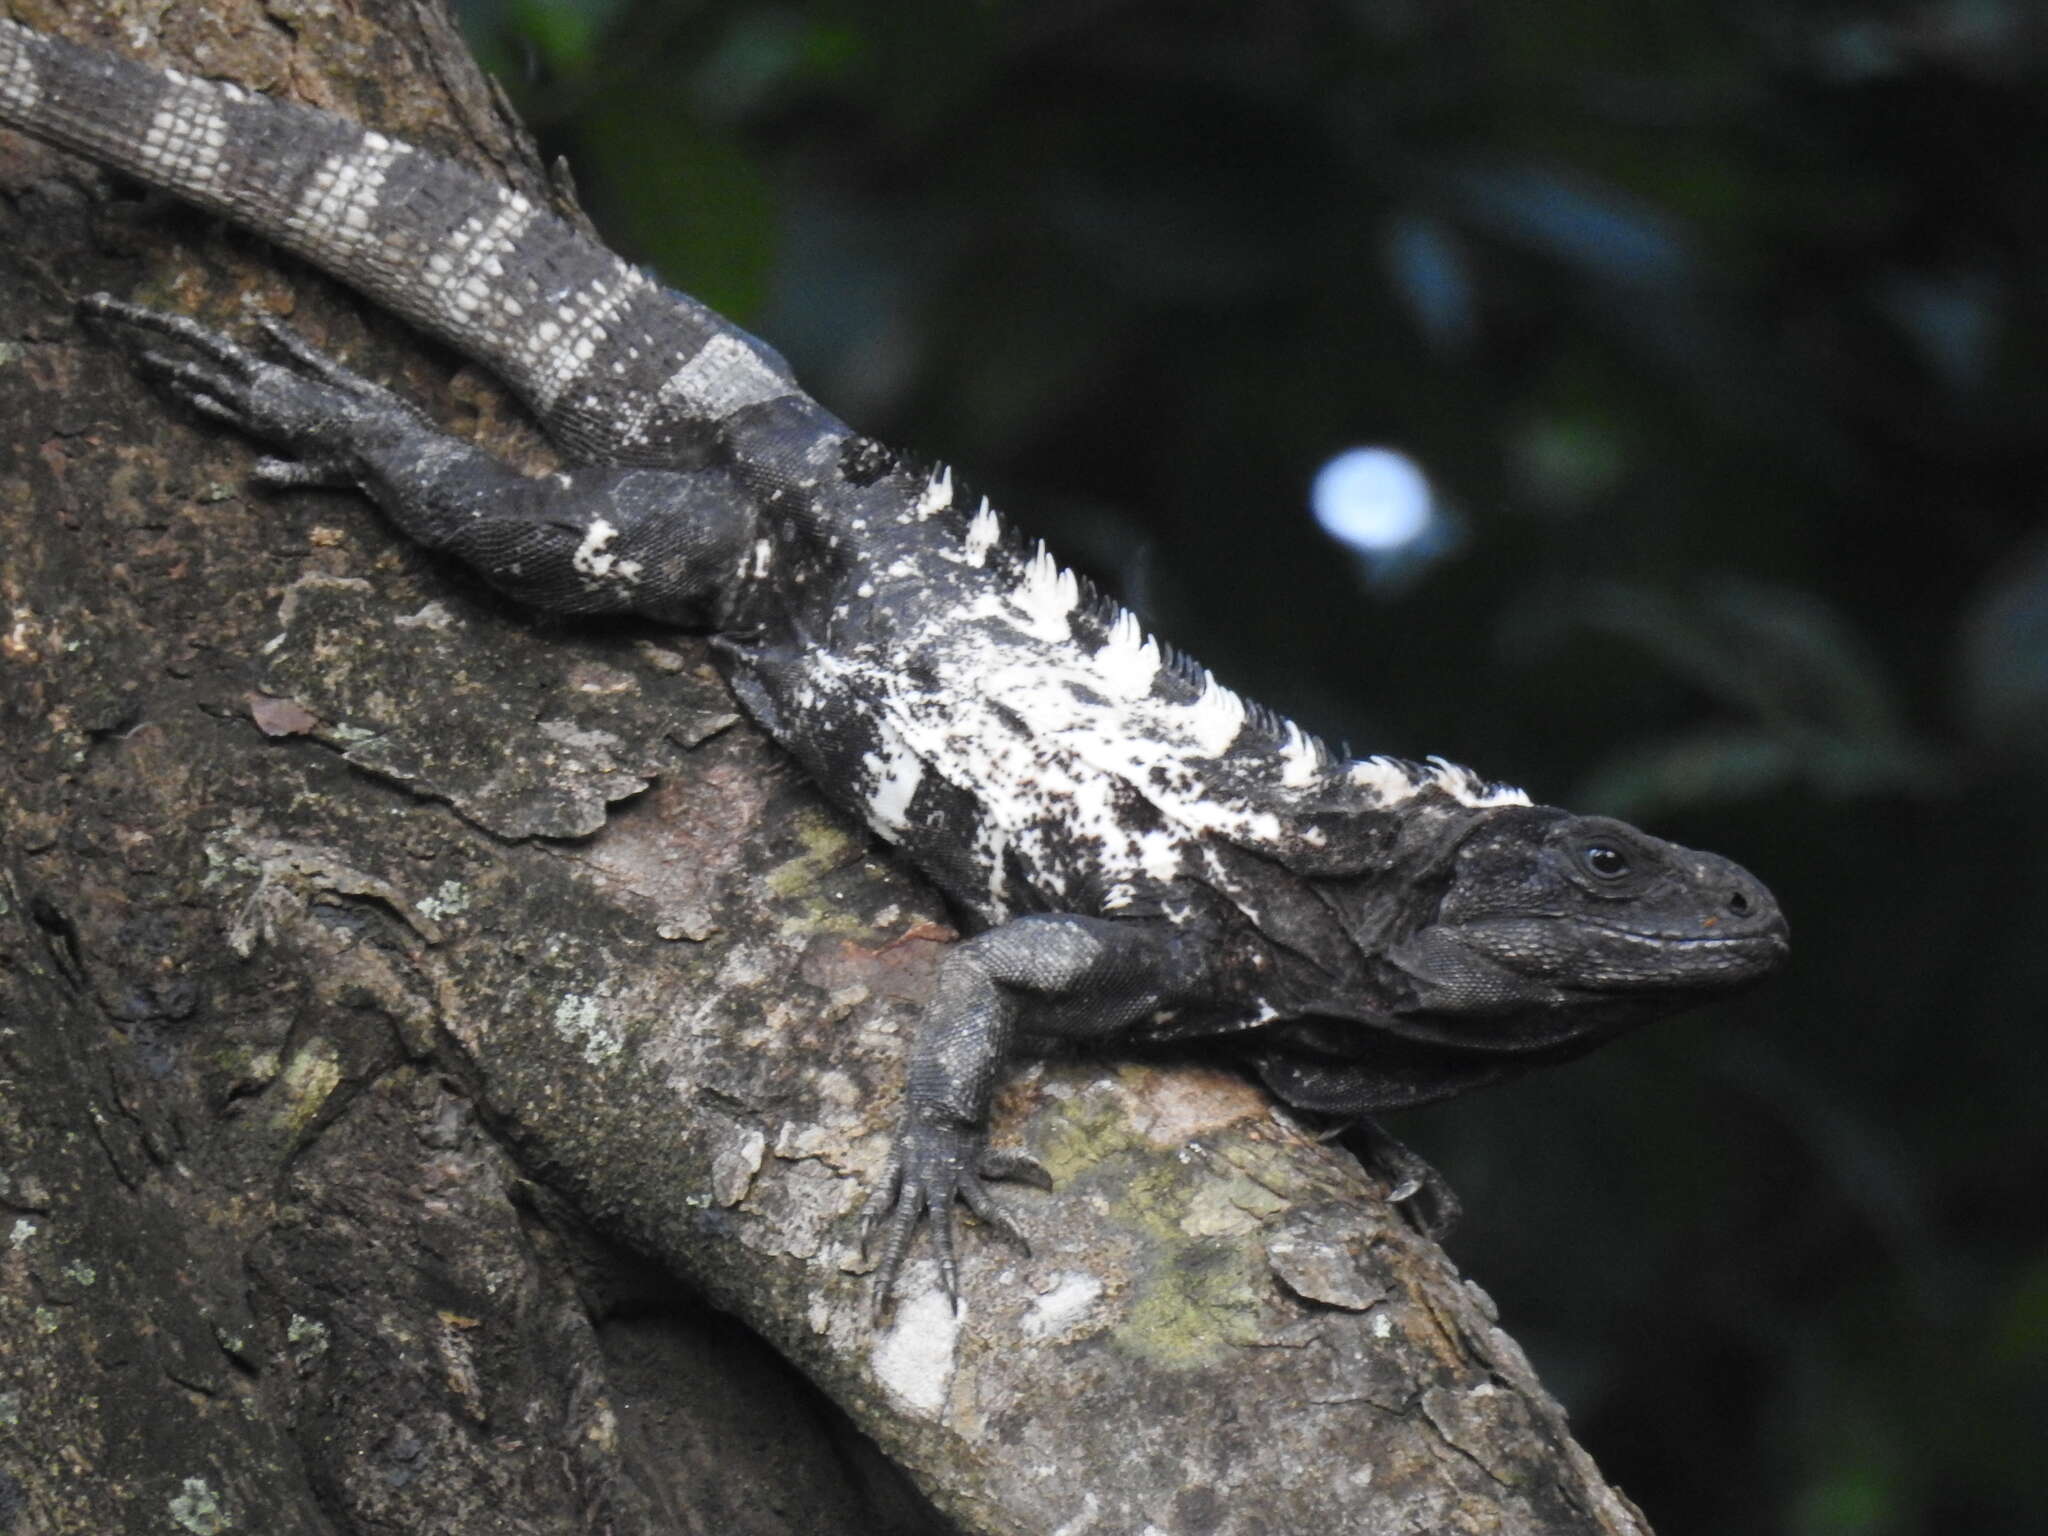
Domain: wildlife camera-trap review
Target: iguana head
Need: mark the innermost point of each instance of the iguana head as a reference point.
(1552, 925)
(1540, 935)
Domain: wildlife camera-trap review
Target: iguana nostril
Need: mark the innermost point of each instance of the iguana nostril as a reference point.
(1739, 903)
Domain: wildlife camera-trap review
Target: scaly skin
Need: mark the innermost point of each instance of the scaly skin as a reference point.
(1138, 852)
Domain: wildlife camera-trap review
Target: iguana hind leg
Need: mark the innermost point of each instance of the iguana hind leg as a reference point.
(591, 539)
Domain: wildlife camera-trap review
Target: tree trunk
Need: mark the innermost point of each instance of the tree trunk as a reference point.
(394, 993)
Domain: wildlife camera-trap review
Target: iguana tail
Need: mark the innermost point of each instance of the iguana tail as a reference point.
(618, 367)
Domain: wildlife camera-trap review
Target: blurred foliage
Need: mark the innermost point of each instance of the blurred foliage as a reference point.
(1720, 330)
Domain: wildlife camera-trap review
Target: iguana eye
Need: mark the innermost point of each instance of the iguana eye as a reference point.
(1605, 862)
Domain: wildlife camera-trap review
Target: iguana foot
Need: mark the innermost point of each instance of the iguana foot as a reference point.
(305, 404)
(932, 1165)
(1414, 1186)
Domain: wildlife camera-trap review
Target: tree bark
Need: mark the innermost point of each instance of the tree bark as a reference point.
(393, 991)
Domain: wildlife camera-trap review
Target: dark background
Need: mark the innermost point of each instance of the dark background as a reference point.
(1719, 329)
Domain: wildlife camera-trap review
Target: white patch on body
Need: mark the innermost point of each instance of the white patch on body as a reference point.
(1094, 798)
(591, 557)
(461, 277)
(583, 325)
(726, 375)
(334, 210)
(186, 138)
(1100, 774)
(895, 780)
(1159, 855)
(19, 88)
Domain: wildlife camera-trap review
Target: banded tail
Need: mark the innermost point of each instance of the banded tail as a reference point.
(618, 368)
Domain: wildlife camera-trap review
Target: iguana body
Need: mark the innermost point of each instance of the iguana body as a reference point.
(1140, 853)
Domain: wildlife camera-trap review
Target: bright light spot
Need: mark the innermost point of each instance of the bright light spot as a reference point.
(1374, 499)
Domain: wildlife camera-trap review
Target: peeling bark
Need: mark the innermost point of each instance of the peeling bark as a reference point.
(393, 993)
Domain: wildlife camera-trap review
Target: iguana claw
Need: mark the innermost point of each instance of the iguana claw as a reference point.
(934, 1164)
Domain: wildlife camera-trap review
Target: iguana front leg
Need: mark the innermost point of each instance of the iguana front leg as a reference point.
(592, 539)
(1053, 974)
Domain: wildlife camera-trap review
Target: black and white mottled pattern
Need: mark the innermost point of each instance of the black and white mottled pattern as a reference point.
(1094, 762)
(618, 367)
(1142, 852)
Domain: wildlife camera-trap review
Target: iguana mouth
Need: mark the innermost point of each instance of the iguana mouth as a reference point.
(1773, 936)
(1692, 941)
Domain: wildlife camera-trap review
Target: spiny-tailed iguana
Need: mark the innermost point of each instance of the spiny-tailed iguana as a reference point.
(1139, 853)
